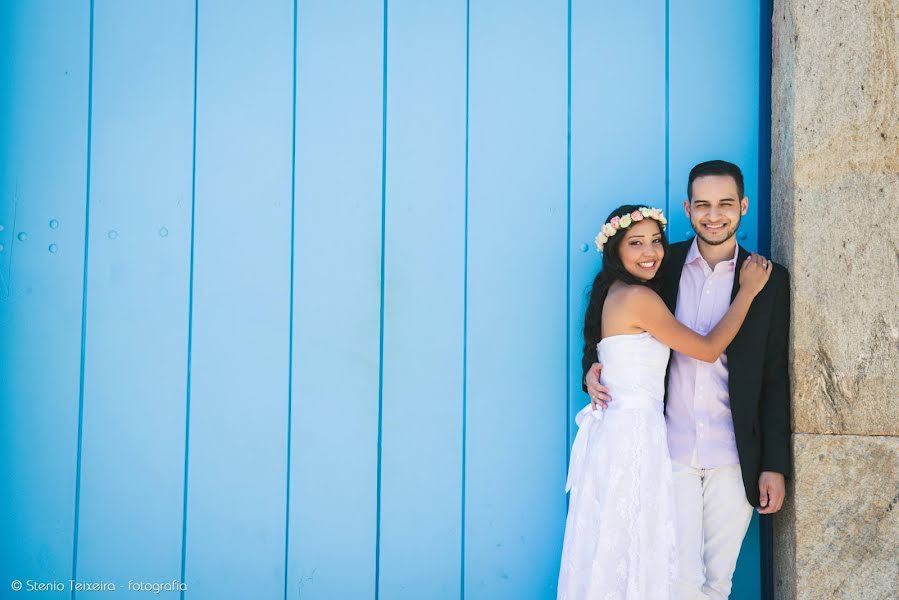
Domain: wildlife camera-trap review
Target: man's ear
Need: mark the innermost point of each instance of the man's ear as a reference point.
(744, 205)
(687, 208)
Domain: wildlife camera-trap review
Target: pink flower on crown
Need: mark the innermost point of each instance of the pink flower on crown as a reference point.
(615, 222)
(656, 213)
(637, 216)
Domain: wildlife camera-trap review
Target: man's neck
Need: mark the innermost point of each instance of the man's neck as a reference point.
(714, 254)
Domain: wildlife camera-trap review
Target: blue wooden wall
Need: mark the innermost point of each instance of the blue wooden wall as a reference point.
(291, 291)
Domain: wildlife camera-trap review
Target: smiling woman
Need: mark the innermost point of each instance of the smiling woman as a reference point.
(609, 241)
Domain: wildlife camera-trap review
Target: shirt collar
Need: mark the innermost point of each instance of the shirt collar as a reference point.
(693, 254)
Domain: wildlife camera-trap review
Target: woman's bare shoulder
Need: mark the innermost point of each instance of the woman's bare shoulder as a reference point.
(631, 299)
(636, 292)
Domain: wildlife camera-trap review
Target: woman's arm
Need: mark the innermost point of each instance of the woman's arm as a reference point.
(651, 314)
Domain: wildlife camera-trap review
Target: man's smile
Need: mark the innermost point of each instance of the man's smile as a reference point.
(714, 227)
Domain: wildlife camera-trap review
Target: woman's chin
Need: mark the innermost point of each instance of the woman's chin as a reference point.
(642, 274)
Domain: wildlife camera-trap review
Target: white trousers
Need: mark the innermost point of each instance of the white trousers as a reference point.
(711, 520)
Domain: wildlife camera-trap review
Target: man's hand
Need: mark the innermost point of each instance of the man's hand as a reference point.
(771, 492)
(599, 395)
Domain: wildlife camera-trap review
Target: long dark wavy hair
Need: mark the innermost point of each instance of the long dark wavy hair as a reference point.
(613, 270)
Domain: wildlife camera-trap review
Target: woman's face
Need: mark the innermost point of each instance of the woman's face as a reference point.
(641, 249)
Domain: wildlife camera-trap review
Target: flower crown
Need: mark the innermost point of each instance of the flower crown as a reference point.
(625, 221)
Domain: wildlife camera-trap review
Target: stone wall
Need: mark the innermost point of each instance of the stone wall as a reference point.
(835, 224)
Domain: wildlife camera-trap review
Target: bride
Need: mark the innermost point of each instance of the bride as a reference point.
(619, 534)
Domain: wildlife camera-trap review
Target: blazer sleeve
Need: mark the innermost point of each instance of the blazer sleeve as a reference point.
(775, 399)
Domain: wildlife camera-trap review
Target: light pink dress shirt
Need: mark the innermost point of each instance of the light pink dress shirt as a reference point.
(700, 425)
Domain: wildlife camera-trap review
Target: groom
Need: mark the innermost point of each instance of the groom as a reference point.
(728, 422)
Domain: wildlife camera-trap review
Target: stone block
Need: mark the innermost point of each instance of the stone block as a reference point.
(837, 536)
(835, 208)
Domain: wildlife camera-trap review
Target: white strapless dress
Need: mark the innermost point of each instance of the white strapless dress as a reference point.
(619, 534)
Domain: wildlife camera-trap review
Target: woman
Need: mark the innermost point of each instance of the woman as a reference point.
(619, 535)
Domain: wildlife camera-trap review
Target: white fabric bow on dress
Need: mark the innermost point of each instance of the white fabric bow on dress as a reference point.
(587, 420)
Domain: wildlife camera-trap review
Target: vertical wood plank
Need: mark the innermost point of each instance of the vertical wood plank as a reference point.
(44, 81)
(130, 518)
(337, 300)
(517, 380)
(241, 301)
(421, 473)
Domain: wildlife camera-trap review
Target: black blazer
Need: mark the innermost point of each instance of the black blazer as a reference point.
(758, 375)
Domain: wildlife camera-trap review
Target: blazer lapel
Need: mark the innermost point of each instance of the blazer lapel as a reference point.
(742, 253)
(736, 348)
(673, 270)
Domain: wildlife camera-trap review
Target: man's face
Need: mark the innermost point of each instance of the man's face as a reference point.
(716, 208)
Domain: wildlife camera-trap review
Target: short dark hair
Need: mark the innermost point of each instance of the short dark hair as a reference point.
(716, 167)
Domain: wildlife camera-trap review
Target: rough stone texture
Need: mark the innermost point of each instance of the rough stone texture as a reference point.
(844, 520)
(835, 224)
(835, 208)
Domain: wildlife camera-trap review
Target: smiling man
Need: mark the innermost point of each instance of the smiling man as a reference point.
(728, 422)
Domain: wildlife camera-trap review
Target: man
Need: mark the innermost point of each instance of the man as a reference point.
(728, 422)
